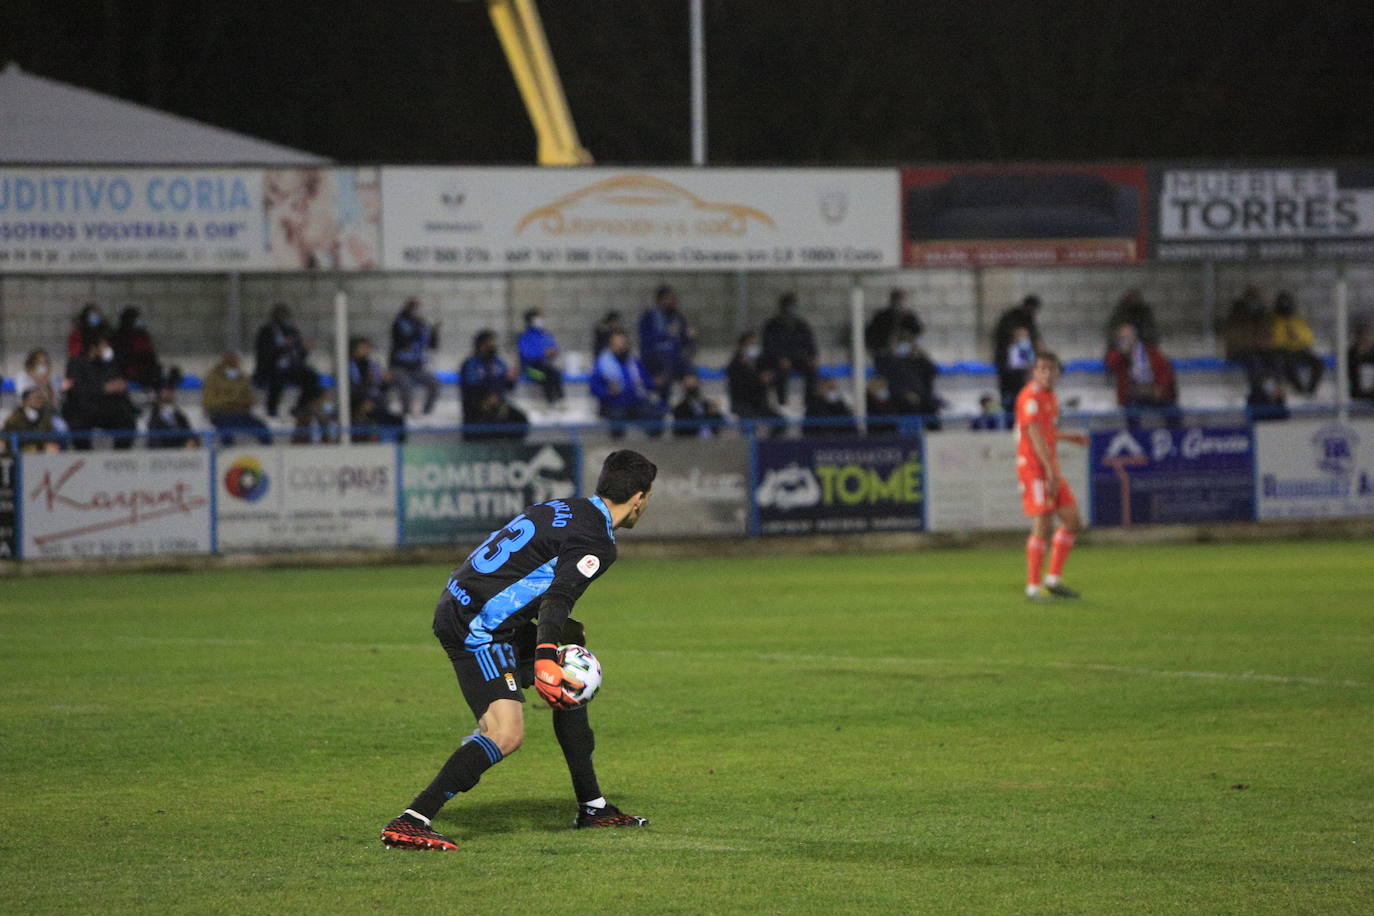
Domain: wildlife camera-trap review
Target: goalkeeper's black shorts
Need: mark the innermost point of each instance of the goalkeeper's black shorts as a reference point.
(499, 670)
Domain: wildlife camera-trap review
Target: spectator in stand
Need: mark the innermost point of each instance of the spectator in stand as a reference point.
(695, 415)
(412, 340)
(481, 373)
(880, 407)
(167, 425)
(789, 346)
(281, 353)
(910, 376)
(539, 357)
(98, 397)
(495, 418)
(827, 412)
(896, 318)
(88, 325)
(38, 373)
(666, 342)
(1246, 337)
(367, 386)
(1134, 310)
(748, 383)
(990, 416)
(32, 418)
(1291, 338)
(609, 324)
(1360, 363)
(1015, 341)
(317, 420)
(621, 387)
(134, 352)
(227, 399)
(1143, 375)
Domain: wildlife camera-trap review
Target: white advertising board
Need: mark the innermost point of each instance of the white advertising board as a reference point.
(1314, 469)
(294, 496)
(1265, 213)
(971, 480)
(600, 219)
(101, 504)
(186, 220)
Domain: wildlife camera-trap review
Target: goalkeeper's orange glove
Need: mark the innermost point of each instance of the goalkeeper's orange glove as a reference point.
(550, 680)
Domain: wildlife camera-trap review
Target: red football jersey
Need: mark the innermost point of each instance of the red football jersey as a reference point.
(1040, 407)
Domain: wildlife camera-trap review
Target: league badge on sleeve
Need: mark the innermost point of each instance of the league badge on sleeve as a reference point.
(588, 565)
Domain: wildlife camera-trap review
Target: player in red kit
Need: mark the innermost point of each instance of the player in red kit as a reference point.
(1044, 492)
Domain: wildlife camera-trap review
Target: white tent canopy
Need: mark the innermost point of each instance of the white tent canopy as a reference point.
(43, 121)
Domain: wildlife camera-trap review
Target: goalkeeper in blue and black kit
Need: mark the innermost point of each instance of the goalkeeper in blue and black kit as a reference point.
(501, 618)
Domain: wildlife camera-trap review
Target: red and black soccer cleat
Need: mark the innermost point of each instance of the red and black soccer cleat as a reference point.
(609, 816)
(403, 833)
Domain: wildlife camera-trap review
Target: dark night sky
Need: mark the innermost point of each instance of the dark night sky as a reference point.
(808, 81)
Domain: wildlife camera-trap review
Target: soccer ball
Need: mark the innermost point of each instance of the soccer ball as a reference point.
(580, 665)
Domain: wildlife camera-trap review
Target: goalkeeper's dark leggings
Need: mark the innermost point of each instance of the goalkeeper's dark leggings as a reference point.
(464, 768)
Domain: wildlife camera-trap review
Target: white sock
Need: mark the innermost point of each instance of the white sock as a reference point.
(595, 803)
(417, 815)
(1032, 589)
(1051, 580)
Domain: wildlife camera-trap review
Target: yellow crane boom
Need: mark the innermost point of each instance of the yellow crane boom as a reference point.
(521, 31)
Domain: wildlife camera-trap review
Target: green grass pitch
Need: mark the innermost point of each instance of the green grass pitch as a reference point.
(898, 733)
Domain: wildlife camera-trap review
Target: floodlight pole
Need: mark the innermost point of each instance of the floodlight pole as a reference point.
(698, 85)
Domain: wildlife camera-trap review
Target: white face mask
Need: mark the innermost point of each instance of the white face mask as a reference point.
(232, 373)
(753, 352)
(169, 413)
(902, 349)
(536, 322)
(833, 397)
(106, 354)
(31, 413)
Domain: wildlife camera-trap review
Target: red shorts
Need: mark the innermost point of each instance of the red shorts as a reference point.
(1036, 501)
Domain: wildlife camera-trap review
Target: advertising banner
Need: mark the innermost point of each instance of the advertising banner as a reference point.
(984, 216)
(971, 480)
(9, 470)
(454, 493)
(188, 220)
(100, 504)
(702, 488)
(275, 497)
(599, 219)
(827, 486)
(1207, 214)
(1197, 474)
(1315, 469)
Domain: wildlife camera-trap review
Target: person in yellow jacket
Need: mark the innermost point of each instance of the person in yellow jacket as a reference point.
(1291, 338)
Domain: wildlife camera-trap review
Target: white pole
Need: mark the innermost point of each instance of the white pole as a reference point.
(698, 85)
(341, 379)
(856, 349)
(1342, 342)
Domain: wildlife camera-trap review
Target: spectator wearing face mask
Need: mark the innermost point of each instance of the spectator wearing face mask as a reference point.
(88, 325)
(539, 357)
(695, 415)
(227, 398)
(827, 412)
(38, 373)
(98, 397)
(910, 375)
(33, 419)
(167, 425)
(134, 352)
(748, 383)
